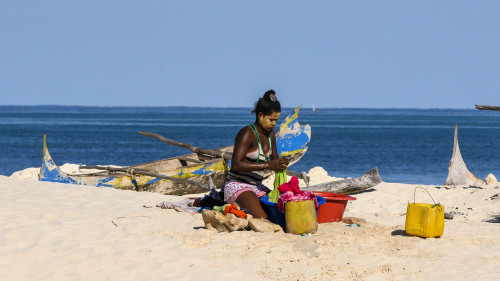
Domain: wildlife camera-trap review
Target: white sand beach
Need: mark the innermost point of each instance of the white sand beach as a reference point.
(53, 231)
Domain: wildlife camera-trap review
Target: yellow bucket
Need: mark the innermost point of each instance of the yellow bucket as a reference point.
(300, 217)
(424, 220)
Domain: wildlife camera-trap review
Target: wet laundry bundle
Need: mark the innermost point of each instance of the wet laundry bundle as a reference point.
(290, 191)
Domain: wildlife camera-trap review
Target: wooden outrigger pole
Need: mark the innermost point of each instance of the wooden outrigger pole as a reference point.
(143, 172)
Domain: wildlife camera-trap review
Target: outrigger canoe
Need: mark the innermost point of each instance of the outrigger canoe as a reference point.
(292, 139)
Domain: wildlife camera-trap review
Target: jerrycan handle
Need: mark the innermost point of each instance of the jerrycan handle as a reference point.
(415, 191)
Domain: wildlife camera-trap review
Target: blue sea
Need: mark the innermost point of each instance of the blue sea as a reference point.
(406, 145)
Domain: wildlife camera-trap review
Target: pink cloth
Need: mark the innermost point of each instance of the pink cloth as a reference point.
(292, 185)
(290, 196)
(233, 189)
(290, 191)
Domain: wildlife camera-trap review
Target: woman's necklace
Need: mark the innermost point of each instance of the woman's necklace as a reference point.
(259, 145)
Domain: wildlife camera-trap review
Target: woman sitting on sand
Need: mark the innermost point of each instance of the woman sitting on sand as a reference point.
(255, 151)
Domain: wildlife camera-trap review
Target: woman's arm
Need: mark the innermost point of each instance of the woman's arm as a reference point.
(274, 155)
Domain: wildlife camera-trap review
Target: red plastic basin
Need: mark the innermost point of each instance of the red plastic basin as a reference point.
(333, 209)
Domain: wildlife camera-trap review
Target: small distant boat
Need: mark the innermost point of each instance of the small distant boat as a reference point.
(487, 107)
(316, 110)
(187, 174)
(458, 174)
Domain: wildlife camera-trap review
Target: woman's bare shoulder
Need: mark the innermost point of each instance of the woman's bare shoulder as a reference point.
(244, 133)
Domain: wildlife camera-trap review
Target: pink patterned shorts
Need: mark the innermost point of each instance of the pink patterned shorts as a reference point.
(233, 189)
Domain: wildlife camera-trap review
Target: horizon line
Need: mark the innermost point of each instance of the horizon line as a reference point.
(226, 107)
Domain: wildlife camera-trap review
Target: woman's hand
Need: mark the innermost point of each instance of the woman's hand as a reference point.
(285, 161)
(277, 164)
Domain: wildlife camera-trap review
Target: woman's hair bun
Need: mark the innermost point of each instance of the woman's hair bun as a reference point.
(270, 96)
(267, 104)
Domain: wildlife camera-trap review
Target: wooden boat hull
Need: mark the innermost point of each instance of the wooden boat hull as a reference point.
(349, 186)
(291, 142)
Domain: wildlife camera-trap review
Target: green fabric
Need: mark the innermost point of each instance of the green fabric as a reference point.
(279, 179)
(221, 208)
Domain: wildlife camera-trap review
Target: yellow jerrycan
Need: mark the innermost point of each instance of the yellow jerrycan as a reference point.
(300, 217)
(424, 220)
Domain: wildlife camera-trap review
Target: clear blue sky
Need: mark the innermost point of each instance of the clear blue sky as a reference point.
(400, 54)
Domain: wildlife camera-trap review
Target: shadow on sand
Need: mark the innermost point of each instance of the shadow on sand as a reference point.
(494, 219)
(399, 232)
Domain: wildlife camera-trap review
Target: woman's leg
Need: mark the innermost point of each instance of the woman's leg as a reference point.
(251, 202)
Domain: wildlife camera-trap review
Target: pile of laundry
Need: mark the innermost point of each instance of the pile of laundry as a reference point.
(221, 217)
(193, 206)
